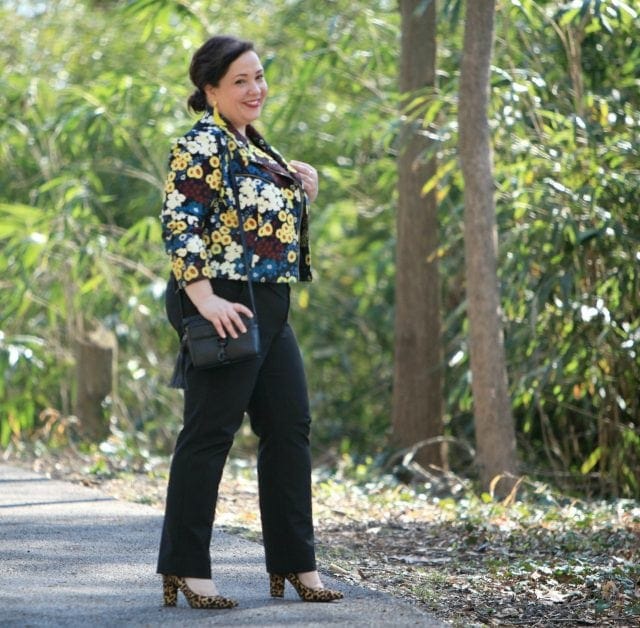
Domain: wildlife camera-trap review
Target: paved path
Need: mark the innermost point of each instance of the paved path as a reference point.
(72, 556)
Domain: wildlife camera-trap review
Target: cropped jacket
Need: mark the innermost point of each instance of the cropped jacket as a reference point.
(200, 220)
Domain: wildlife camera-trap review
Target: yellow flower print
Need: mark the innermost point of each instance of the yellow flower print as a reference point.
(250, 224)
(282, 215)
(203, 254)
(191, 273)
(214, 180)
(216, 236)
(206, 240)
(207, 272)
(177, 273)
(292, 256)
(290, 220)
(181, 252)
(195, 172)
(181, 161)
(214, 161)
(285, 233)
(244, 154)
(229, 218)
(171, 176)
(216, 248)
(177, 264)
(232, 145)
(169, 187)
(265, 230)
(177, 226)
(288, 194)
(226, 240)
(224, 230)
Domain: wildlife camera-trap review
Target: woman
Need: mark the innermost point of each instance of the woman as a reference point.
(201, 230)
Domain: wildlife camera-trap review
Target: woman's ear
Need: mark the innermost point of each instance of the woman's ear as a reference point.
(210, 93)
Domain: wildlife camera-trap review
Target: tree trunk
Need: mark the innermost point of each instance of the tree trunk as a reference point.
(417, 391)
(95, 354)
(495, 433)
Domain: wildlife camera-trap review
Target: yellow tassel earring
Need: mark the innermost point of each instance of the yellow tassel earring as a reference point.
(217, 118)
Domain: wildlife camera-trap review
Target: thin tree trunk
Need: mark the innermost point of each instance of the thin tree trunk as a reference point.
(495, 433)
(417, 392)
(95, 356)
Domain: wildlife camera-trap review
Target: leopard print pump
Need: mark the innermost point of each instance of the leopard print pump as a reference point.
(171, 584)
(307, 594)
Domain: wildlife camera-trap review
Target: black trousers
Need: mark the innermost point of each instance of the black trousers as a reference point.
(273, 390)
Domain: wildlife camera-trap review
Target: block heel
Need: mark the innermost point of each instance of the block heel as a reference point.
(171, 584)
(307, 594)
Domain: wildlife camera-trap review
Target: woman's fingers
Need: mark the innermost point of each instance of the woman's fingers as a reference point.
(234, 323)
(219, 328)
(243, 309)
(225, 316)
(309, 176)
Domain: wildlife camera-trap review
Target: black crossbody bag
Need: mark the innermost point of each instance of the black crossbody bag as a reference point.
(200, 340)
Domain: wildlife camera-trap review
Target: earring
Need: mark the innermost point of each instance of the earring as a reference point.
(217, 118)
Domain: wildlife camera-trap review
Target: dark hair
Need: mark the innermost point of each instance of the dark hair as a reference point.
(210, 63)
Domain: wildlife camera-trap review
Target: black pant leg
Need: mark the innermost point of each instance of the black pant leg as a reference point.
(214, 408)
(214, 405)
(279, 411)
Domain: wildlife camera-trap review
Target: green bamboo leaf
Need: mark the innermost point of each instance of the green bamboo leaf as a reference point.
(25, 214)
(568, 16)
(92, 284)
(441, 172)
(589, 464)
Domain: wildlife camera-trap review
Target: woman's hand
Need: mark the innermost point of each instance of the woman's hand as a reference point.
(223, 314)
(309, 176)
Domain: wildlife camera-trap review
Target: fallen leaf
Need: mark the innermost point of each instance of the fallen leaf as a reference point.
(609, 590)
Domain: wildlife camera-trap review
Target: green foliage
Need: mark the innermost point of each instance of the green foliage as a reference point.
(565, 121)
(94, 92)
(568, 196)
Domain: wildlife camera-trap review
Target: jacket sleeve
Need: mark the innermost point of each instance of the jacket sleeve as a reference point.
(193, 183)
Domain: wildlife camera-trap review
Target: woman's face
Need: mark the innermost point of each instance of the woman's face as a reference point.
(241, 92)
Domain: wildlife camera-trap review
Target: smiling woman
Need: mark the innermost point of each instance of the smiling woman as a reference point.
(236, 212)
(242, 91)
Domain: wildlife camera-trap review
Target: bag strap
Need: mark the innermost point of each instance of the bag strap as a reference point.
(245, 253)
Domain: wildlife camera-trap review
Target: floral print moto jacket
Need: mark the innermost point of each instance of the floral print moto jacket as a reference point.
(200, 220)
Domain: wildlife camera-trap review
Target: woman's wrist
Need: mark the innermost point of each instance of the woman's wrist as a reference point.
(199, 292)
